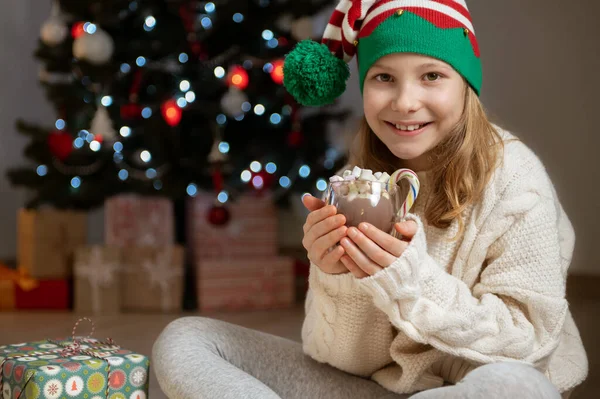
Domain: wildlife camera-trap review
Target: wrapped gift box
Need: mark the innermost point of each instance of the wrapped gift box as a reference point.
(251, 230)
(47, 294)
(42, 369)
(152, 278)
(47, 239)
(130, 219)
(245, 284)
(97, 280)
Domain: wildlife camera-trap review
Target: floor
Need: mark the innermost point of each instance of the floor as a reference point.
(137, 332)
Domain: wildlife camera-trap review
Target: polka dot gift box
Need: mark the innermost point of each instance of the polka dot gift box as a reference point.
(72, 368)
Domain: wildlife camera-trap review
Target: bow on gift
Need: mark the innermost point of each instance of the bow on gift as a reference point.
(73, 349)
(19, 277)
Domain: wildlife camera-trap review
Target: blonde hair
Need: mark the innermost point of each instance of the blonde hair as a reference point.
(461, 165)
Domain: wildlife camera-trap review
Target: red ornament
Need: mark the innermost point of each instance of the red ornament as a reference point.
(60, 144)
(277, 72)
(218, 215)
(238, 77)
(295, 139)
(131, 111)
(171, 112)
(77, 29)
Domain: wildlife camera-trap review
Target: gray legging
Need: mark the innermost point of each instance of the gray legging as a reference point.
(197, 357)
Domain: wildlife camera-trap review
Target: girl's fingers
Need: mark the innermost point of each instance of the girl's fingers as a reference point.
(382, 254)
(390, 244)
(361, 260)
(353, 267)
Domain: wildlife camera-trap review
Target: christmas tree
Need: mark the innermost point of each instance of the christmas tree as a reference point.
(160, 97)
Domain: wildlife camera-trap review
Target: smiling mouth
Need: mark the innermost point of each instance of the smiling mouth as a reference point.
(409, 128)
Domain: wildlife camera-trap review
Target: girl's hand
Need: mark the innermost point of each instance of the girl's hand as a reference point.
(369, 250)
(322, 231)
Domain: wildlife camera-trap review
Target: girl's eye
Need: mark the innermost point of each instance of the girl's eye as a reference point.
(432, 77)
(383, 77)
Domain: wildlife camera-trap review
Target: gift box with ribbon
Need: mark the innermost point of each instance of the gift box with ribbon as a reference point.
(47, 239)
(76, 367)
(245, 284)
(152, 278)
(250, 231)
(130, 219)
(97, 279)
(19, 291)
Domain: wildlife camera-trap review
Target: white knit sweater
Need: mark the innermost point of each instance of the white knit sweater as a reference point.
(444, 307)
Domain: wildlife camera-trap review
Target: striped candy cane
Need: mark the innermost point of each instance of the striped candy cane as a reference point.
(413, 181)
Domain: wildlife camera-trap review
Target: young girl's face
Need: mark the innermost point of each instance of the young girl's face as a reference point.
(411, 102)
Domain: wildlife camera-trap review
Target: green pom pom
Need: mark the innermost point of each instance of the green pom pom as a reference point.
(313, 75)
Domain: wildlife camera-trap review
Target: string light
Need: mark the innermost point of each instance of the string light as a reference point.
(268, 67)
(238, 17)
(106, 101)
(273, 43)
(223, 197)
(304, 171)
(183, 58)
(206, 23)
(209, 7)
(181, 102)
(285, 182)
(60, 124)
(190, 96)
(42, 170)
(224, 147)
(246, 176)
(267, 34)
(246, 106)
(192, 190)
(149, 23)
(123, 174)
(239, 117)
(76, 182)
(221, 119)
(275, 118)
(118, 146)
(238, 77)
(184, 85)
(89, 28)
(146, 112)
(321, 185)
(277, 72)
(145, 156)
(125, 131)
(117, 157)
(125, 68)
(157, 184)
(95, 146)
(255, 166)
(219, 72)
(151, 173)
(257, 182)
(259, 109)
(271, 168)
(78, 142)
(140, 61)
(171, 111)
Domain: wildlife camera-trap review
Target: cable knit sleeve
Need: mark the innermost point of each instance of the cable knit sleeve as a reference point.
(343, 327)
(516, 308)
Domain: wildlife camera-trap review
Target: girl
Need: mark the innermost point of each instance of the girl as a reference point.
(471, 302)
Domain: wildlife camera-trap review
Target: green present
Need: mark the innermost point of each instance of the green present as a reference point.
(72, 368)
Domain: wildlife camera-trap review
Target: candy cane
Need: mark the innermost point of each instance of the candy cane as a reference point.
(413, 181)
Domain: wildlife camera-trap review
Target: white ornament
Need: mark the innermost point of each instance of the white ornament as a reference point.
(96, 48)
(232, 102)
(102, 125)
(284, 23)
(302, 28)
(54, 30)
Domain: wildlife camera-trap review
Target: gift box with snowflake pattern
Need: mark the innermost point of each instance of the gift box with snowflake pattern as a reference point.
(96, 370)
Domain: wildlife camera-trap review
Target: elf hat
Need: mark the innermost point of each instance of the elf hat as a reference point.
(316, 73)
